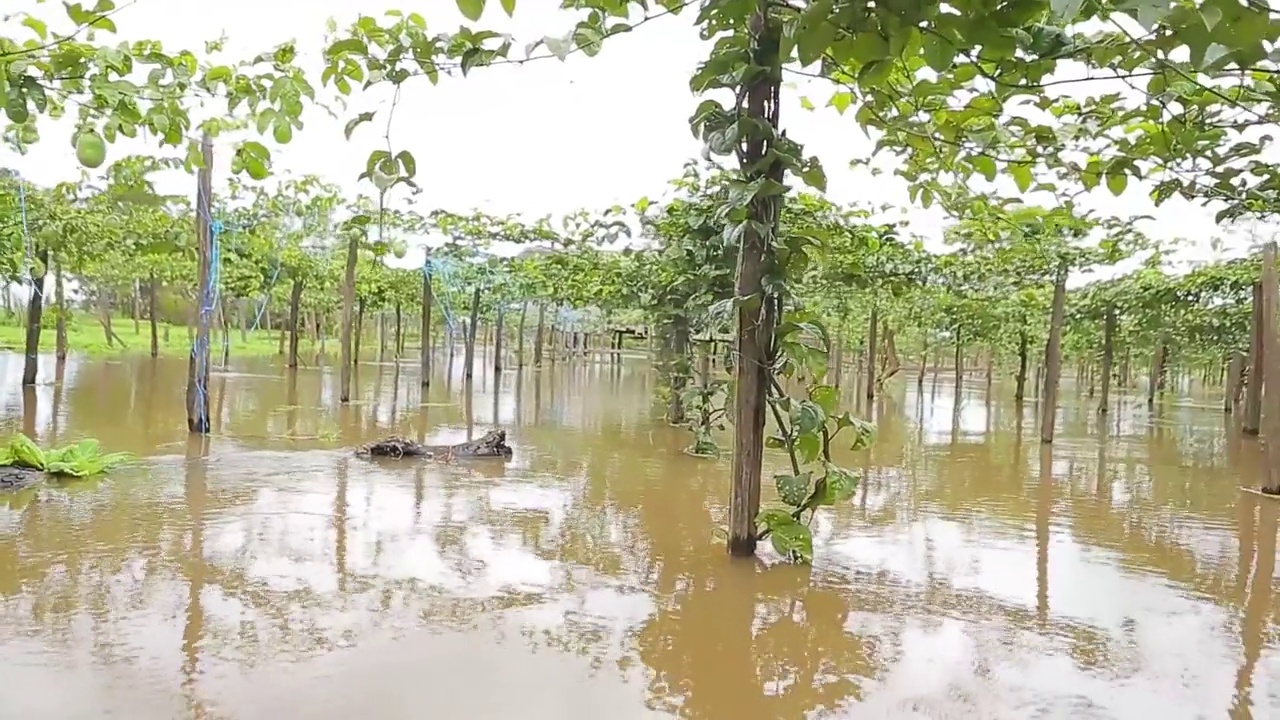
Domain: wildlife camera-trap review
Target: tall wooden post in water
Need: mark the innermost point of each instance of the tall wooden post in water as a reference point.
(424, 353)
(1257, 358)
(1053, 358)
(1108, 358)
(198, 363)
(1270, 385)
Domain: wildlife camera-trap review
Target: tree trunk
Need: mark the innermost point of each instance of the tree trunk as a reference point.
(382, 336)
(469, 356)
(1155, 379)
(924, 363)
(152, 292)
(1257, 358)
(497, 345)
(348, 315)
(399, 343)
(1020, 387)
(837, 364)
(35, 310)
(524, 312)
(677, 367)
(959, 361)
(424, 352)
(756, 324)
(1108, 357)
(871, 353)
(60, 299)
(358, 333)
(1235, 367)
(537, 338)
(104, 312)
(243, 307)
(137, 308)
(295, 304)
(1053, 358)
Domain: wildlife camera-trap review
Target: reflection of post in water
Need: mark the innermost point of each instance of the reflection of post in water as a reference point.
(340, 524)
(196, 496)
(29, 410)
(395, 388)
(1257, 608)
(222, 402)
(519, 397)
(1044, 504)
(59, 372)
(537, 396)
(1246, 520)
(1103, 484)
(291, 399)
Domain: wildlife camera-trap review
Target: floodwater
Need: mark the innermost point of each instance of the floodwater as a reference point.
(270, 574)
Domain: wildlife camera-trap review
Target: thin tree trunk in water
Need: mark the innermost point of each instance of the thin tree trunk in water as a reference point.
(497, 344)
(1271, 352)
(60, 298)
(1108, 357)
(348, 316)
(755, 323)
(198, 365)
(959, 361)
(991, 359)
(924, 363)
(469, 356)
(1020, 388)
(537, 338)
(295, 303)
(1053, 358)
(524, 312)
(151, 310)
(1154, 377)
(35, 310)
(104, 312)
(399, 344)
(871, 354)
(677, 344)
(284, 339)
(358, 333)
(424, 356)
(242, 309)
(382, 336)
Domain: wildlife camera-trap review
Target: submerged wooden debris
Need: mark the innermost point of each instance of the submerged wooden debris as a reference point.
(492, 445)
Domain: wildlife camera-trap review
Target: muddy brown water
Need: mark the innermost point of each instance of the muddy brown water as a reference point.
(273, 575)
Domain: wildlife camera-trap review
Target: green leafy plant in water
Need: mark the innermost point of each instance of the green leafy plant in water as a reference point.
(706, 405)
(808, 427)
(83, 459)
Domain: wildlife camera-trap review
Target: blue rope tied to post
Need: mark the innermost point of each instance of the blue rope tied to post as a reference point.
(266, 295)
(200, 349)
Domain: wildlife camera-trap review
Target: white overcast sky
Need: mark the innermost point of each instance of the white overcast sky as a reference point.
(547, 137)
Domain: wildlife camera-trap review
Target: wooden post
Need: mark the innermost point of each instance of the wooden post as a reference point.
(198, 362)
(1108, 357)
(871, 354)
(1257, 356)
(1235, 368)
(1270, 385)
(468, 366)
(524, 312)
(1053, 358)
(497, 344)
(539, 333)
(424, 352)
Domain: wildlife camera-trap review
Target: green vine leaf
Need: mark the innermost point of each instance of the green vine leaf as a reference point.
(793, 489)
(471, 9)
